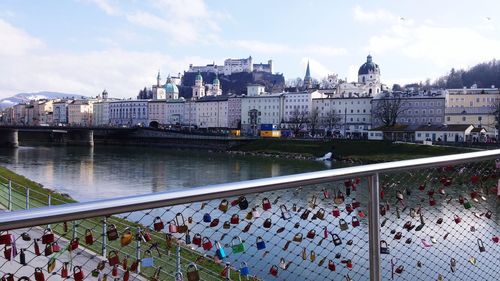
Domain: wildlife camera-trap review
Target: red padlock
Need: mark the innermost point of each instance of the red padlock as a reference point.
(432, 201)
(64, 270)
(89, 238)
(382, 210)
(311, 234)
(336, 211)
(474, 179)
(78, 273)
(266, 204)
(48, 236)
(326, 194)
(114, 271)
(207, 244)
(146, 235)
(331, 265)
(422, 187)
(113, 258)
(37, 248)
(273, 270)
(235, 219)
(349, 208)
(158, 224)
(355, 222)
(8, 277)
(473, 194)
(461, 199)
(355, 204)
(126, 275)
(39, 276)
(457, 219)
(7, 252)
(55, 247)
(197, 239)
(349, 264)
(6, 239)
(172, 227)
(48, 250)
(73, 244)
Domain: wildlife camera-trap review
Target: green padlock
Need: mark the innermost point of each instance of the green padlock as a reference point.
(467, 204)
(237, 245)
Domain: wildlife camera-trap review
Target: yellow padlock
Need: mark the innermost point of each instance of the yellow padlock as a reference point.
(126, 237)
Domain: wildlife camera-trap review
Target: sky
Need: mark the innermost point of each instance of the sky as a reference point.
(86, 46)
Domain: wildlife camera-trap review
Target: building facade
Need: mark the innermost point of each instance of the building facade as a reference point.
(211, 112)
(128, 112)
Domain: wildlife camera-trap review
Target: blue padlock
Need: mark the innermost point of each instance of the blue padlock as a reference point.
(260, 243)
(244, 271)
(221, 254)
(207, 217)
(188, 238)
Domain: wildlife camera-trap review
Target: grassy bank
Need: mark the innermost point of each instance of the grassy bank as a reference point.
(38, 198)
(358, 150)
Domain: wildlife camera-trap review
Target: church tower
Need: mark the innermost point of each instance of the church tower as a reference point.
(198, 88)
(216, 89)
(307, 78)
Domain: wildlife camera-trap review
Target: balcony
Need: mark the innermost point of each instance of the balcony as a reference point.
(425, 219)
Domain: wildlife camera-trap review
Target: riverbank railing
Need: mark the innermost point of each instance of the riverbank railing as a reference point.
(424, 219)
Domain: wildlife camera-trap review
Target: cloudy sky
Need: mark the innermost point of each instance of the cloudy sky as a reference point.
(85, 46)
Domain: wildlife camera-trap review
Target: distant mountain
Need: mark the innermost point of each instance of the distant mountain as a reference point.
(25, 97)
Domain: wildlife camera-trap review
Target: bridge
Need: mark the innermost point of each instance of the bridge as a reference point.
(11, 135)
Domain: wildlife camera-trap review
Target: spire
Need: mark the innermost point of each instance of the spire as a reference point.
(308, 71)
(158, 78)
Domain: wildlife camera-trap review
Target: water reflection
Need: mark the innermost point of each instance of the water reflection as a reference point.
(108, 171)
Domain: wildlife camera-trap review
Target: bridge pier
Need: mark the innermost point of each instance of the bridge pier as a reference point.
(80, 137)
(9, 138)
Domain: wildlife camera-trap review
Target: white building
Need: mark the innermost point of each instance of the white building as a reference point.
(255, 90)
(101, 113)
(297, 103)
(80, 113)
(234, 112)
(157, 113)
(175, 111)
(261, 109)
(198, 88)
(211, 112)
(446, 133)
(190, 113)
(128, 112)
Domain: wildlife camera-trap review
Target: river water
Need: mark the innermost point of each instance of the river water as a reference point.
(110, 171)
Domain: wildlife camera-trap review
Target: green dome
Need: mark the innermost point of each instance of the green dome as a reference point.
(198, 77)
(216, 81)
(170, 87)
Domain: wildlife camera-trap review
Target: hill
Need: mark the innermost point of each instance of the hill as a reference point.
(25, 97)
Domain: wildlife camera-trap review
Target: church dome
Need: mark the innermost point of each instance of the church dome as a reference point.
(216, 81)
(368, 67)
(198, 77)
(170, 87)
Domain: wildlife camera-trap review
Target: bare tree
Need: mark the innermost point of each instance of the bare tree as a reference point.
(298, 120)
(387, 110)
(331, 120)
(314, 119)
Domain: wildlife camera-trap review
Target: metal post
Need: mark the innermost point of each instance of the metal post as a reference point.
(228, 271)
(49, 201)
(27, 198)
(103, 236)
(10, 195)
(74, 230)
(178, 273)
(374, 227)
(138, 249)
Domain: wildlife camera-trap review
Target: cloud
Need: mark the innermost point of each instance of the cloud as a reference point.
(318, 70)
(106, 6)
(378, 15)
(276, 48)
(15, 41)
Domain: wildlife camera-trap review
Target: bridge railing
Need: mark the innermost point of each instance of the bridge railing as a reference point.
(432, 218)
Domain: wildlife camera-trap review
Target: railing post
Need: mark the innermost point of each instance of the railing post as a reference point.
(10, 195)
(27, 198)
(374, 227)
(138, 250)
(103, 236)
(178, 273)
(49, 202)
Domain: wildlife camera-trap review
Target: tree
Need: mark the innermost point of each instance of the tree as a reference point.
(397, 87)
(298, 120)
(331, 120)
(314, 119)
(387, 110)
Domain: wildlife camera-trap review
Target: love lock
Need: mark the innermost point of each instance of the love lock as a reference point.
(273, 270)
(226, 225)
(158, 224)
(336, 211)
(266, 204)
(339, 197)
(488, 214)
(244, 270)
(331, 265)
(207, 217)
(320, 214)
(207, 244)
(355, 222)
(481, 245)
(355, 204)
(349, 208)
(78, 274)
(181, 224)
(457, 219)
(224, 205)
(336, 240)
(285, 214)
(467, 204)
(48, 236)
(311, 234)
(219, 251)
(305, 214)
(297, 237)
(432, 201)
(7, 239)
(147, 260)
(39, 276)
(255, 213)
(112, 233)
(237, 245)
(343, 224)
(89, 237)
(267, 223)
(214, 223)
(235, 219)
(113, 258)
(126, 237)
(260, 243)
(453, 264)
(383, 210)
(192, 272)
(73, 244)
(242, 203)
(172, 227)
(384, 248)
(197, 239)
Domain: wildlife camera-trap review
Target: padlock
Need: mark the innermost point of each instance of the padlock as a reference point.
(156, 275)
(78, 274)
(114, 270)
(39, 276)
(488, 214)
(282, 263)
(181, 224)
(249, 216)
(432, 201)
(237, 245)
(224, 205)
(255, 213)
(320, 214)
(55, 247)
(461, 199)
(64, 270)
(89, 237)
(273, 270)
(384, 248)
(422, 186)
(235, 219)
(226, 225)
(457, 219)
(343, 224)
(399, 269)
(125, 262)
(37, 247)
(311, 234)
(26, 236)
(474, 179)
(355, 204)
(244, 270)
(313, 202)
(207, 244)
(51, 265)
(113, 258)
(260, 243)
(126, 237)
(312, 256)
(266, 204)
(481, 245)
(214, 223)
(331, 265)
(304, 253)
(48, 236)
(9, 277)
(325, 232)
(22, 257)
(349, 208)
(339, 197)
(348, 183)
(336, 239)
(158, 224)
(126, 275)
(6, 239)
(467, 204)
(355, 222)
(73, 244)
(197, 239)
(267, 223)
(326, 194)
(147, 259)
(172, 227)
(134, 266)
(48, 250)
(192, 272)
(305, 214)
(298, 237)
(382, 210)
(430, 193)
(348, 264)
(242, 203)
(207, 217)
(219, 251)
(348, 191)
(294, 207)
(285, 214)
(112, 233)
(336, 211)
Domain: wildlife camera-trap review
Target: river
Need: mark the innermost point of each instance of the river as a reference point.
(88, 173)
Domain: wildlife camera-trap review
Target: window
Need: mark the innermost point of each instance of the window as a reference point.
(448, 118)
(463, 118)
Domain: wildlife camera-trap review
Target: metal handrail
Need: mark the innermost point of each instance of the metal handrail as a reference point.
(106, 207)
